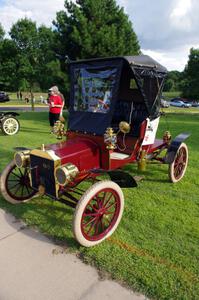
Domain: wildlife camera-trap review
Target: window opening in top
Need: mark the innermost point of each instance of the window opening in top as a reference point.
(133, 84)
(93, 89)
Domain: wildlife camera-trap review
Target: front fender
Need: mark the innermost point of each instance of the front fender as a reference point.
(174, 146)
(10, 113)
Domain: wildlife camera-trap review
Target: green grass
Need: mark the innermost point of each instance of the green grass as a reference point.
(170, 95)
(155, 249)
(15, 101)
(181, 110)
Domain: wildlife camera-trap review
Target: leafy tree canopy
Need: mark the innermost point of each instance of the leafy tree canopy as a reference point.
(190, 86)
(173, 81)
(35, 51)
(2, 33)
(8, 65)
(90, 28)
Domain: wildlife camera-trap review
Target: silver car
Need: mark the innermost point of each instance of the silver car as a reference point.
(179, 103)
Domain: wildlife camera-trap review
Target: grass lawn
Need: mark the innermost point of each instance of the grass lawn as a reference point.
(17, 102)
(170, 95)
(155, 249)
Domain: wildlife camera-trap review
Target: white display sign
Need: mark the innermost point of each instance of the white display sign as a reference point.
(150, 132)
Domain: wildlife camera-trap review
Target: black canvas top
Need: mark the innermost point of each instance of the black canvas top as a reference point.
(136, 61)
(100, 78)
(145, 61)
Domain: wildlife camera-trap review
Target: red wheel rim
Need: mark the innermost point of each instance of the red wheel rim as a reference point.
(100, 214)
(18, 184)
(180, 163)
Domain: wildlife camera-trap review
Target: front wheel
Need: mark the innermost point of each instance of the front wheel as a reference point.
(178, 167)
(10, 126)
(98, 213)
(15, 184)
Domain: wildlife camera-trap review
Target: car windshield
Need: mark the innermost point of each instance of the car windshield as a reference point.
(93, 89)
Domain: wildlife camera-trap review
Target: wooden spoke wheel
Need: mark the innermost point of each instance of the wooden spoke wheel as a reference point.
(10, 126)
(178, 167)
(15, 184)
(98, 213)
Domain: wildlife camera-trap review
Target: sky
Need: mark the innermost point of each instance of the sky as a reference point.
(166, 29)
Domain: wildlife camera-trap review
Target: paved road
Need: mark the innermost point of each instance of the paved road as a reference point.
(23, 108)
(33, 268)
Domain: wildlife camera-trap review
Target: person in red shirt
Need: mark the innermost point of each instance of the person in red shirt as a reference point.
(55, 106)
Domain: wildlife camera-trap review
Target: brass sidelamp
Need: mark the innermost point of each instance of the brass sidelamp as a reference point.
(110, 139)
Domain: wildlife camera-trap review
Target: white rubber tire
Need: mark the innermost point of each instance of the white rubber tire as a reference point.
(87, 196)
(172, 177)
(3, 179)
(10, 126)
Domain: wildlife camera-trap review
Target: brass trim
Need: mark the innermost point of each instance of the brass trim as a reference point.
(70, 170)
(50, 155)
(25, 158)
(41, 190)
(124, 127)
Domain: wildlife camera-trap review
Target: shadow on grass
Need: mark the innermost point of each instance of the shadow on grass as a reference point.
(151, 170)
(27, 129)
(41, 117)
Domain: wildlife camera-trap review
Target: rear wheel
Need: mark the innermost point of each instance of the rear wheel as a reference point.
(15, 184)
(178, 167)
(98, 213)
(10, 125)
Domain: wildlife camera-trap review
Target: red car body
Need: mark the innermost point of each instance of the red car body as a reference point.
(113, 119)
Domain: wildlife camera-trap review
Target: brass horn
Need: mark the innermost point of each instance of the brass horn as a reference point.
(124, 127)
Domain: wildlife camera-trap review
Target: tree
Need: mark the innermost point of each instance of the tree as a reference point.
(50, 67)
(24, 35)
(8, 65)
(34, 55)
(2, 33)
(90, 28)
(173, 81)
(190, 86)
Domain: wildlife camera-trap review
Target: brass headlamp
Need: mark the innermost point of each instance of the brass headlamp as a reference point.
(66, 173)
(22, 159)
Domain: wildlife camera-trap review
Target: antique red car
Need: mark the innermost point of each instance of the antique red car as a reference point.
(113, 118)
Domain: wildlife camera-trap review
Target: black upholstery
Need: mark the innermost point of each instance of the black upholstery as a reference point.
(122, 113)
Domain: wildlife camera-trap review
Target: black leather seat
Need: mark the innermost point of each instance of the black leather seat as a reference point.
(122, 113)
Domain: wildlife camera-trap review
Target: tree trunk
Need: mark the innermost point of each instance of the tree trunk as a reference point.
(32, 100)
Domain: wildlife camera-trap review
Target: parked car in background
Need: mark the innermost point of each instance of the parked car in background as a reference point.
(4, 97)
(178, 102)
(164, 103)
(195, 103)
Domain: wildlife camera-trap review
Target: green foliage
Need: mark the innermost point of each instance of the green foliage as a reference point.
(173, 81)
(31, 49)
(169, 85)
(28, 61)
(92, 28)
(190, 86)
(2, 33)
(170, 95)
(8, 65)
